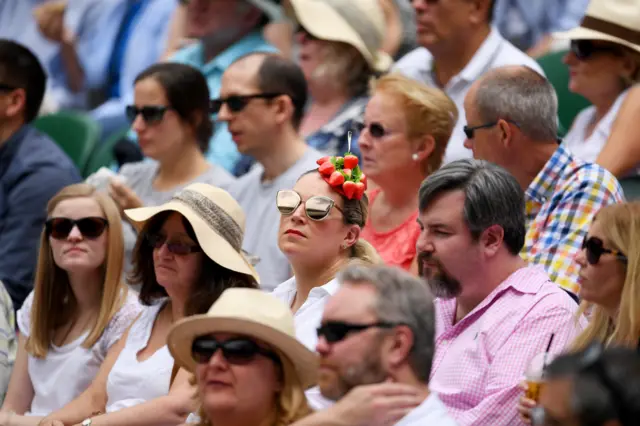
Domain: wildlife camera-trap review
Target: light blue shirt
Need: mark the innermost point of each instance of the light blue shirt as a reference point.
(222, 149)
(525, 22)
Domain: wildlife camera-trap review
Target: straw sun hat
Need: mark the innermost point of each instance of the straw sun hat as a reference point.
(359, 23)
(248, 312)
(216, 218)
(616, 21)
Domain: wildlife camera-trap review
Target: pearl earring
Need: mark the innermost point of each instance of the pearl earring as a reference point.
(414, 157)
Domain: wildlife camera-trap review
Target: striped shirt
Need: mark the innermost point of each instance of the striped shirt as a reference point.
(8, 341)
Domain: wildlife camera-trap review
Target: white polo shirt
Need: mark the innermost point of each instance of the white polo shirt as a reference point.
(494, 52)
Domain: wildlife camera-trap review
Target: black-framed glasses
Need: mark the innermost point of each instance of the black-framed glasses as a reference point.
(235, 351)
(335, 331)
(584, 49)
(316, 208)
(7, 87)
(237, 103)
(90, 227)
(376, 130)
(150, 113)
(158, 240)
(470, 131)
(590, 362)
(595, 248)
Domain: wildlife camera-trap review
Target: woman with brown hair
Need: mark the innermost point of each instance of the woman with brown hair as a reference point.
(79, 307)
(188, 252)
(609, 281)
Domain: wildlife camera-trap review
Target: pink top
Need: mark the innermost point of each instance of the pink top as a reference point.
(397, 247)
(480, 361)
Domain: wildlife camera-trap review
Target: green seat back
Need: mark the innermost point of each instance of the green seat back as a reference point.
(631, 188)
(569, 104)
(77, 134)
(102, 155)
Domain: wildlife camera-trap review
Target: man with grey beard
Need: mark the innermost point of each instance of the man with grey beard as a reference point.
(494, 311)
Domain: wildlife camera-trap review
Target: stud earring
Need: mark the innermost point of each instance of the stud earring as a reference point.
(414, 157)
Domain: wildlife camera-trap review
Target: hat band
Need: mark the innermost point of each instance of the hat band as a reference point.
(612, 29)
(217, 219)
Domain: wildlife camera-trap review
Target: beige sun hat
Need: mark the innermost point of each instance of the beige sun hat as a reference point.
(216, 218)
(248, 312)
(359, 23)
(617, 21)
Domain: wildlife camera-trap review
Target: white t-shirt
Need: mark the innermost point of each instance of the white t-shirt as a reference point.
(431, 412)
(588, 148)
(68, 370)
(131, 382)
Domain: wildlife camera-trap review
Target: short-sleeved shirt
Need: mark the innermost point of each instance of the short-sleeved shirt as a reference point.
(257, 198)
(66, 371)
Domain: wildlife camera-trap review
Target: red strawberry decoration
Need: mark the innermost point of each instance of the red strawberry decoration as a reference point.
(360, 188)
(336, 179)
(327, 168)
(350, 161)
(321, 161)
(349, 188)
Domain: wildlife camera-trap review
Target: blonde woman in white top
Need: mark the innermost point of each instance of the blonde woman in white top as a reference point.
(79, 307)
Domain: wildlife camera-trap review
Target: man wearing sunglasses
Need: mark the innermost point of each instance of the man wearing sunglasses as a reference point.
(376, 345)
(512, 121)
(592, 387)
(262, 100)
(32, 168)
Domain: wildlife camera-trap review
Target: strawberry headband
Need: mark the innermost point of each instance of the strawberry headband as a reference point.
(343, 174)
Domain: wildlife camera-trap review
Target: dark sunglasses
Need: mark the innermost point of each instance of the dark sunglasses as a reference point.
(316, 208)
(335, 331)
(584, 49)
(376, 130)
(470, 131)
(158, 240)
(150, 113)
(90, 227)
(7, 87)
(235, 351)
(237, 103)
(595, 248)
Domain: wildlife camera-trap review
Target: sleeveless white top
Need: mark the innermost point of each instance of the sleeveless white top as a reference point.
(66, 371)
(131, 382)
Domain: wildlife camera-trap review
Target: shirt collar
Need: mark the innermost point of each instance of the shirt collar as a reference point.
(289, 286)
(543, 186)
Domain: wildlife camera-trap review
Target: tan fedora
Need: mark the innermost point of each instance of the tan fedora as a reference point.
(248, 312)
(359, 23)
(617, 21)
(216, 218)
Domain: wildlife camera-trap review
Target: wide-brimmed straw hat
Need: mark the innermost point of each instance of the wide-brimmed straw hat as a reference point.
(248, 312)
(216, 218)
(616, 21)
(359, 23)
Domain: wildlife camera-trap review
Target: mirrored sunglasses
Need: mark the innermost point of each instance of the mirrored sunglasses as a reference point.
(316, 208)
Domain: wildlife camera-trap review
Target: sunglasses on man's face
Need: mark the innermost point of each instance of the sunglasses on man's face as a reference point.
(90, 227)
(316, 208)
(595, 248)
(470, 131)
(585, 49)
(150, 113)
(336, 331)
(376, 130)
(235, 351)
(7, 87)
(237, 103)
(158, 240)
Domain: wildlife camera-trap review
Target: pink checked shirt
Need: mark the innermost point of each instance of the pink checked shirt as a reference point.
(480, 361)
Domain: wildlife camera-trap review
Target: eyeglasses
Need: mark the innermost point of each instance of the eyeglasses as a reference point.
(335, 331)
(376, 130)
(235, 351)
(237, 103)
(595, 249)
(584, 49)
(316, 208)
(150, 113)
(158, 240)
(470, 131)
(7, 87)
(90, 227)
(590, 362)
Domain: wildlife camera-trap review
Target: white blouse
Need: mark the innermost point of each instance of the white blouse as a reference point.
(66, 371)
(132, 382)
(588, 148)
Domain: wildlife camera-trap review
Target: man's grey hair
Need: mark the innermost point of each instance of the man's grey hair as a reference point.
(521, 95)
(402, 299)
(492, 196)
